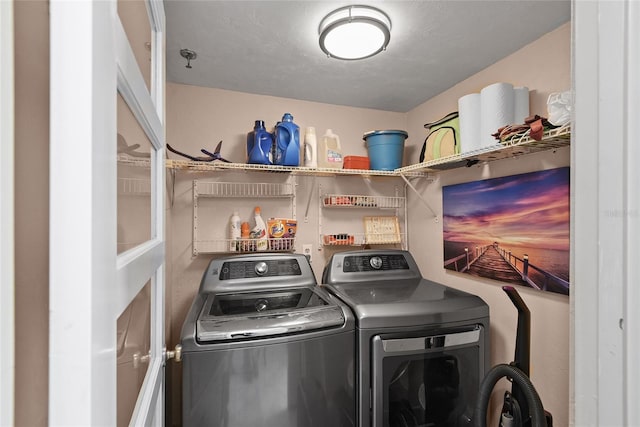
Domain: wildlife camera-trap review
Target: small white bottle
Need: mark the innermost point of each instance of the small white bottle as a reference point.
(310, 148)
(259, 232)
(234, 231)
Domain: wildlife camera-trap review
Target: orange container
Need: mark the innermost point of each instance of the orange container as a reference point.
(338, 239)
(356, 162)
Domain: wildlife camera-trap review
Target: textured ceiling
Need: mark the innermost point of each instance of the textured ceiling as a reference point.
(271, 47)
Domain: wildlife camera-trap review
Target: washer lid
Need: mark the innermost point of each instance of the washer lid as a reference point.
(251, 315)
(404, 303)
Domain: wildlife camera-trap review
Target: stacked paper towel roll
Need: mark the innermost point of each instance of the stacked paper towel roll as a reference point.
(521, 104)
(496, 110)
(482, 114)
(469, 116)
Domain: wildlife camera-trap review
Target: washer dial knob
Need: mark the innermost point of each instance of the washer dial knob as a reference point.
(261, 305)
(261, 268)
(375, 262)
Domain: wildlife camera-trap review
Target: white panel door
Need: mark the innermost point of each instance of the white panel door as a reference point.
(605, 213)
(6, 215)
(106, 213)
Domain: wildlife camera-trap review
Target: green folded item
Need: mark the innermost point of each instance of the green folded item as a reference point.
(443, 139)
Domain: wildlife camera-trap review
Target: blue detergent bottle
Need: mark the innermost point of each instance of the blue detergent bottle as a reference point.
(259, 142)
(287, 142)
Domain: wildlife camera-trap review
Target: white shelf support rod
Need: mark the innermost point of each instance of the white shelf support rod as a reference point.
(405, 241)
(419, 196)
(294, 190)
(306, 212)
(319, 215)
(195, 218)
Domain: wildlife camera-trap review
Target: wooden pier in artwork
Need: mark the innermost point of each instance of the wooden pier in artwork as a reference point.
(494, 262)
(492, 265)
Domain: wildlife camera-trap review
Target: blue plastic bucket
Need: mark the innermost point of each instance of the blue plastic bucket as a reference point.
(386, 148)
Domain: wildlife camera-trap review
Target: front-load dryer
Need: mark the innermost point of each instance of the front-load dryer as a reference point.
(423, 348)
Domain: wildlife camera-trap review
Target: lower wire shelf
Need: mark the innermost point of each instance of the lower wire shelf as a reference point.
(362, 239)
(230, 246)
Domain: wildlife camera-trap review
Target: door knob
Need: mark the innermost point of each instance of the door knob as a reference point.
(176, 353)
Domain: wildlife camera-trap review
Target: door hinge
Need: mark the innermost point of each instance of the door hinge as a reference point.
(175, 354)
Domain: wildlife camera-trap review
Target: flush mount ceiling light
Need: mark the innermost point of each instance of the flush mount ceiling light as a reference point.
(354, 32)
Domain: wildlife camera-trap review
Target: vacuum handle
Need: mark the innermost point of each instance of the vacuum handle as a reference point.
(523, 333)
(516, 299)
(522, 353)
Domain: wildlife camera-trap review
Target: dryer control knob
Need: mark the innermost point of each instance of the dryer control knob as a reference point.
(261, 268)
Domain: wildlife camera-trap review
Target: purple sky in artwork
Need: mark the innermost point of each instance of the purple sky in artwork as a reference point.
(529, 210)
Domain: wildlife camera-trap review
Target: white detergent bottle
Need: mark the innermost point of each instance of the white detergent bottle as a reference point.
(310, 148)
(259, 232)
(234, 231)
(330, 151)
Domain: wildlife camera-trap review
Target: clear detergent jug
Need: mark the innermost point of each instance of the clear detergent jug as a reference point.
(287, 142)
(330, 151)
(259, 143)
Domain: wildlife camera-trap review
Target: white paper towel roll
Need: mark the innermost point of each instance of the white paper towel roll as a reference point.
(521, 104)
(469, 113)
(496, 110)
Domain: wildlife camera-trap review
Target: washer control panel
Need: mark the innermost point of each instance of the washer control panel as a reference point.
(374, 263)
(259, 269)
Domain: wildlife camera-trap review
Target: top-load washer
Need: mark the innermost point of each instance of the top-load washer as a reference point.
(262, 345)
(422, 347)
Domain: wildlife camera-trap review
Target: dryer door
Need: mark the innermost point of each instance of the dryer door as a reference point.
(427, 380)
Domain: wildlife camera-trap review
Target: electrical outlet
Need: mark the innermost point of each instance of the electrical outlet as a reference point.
(306, 250)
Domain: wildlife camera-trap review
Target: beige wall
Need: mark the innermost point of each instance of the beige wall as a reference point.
(544, 67)
(199, 117)
(32, 211)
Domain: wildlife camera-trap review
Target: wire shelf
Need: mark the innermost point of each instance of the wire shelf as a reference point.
(243, 245)
(361, 201)
(134, 186)
(186, 165)
(515, 146)
(362, 239)
(123, 159)
(243, 189)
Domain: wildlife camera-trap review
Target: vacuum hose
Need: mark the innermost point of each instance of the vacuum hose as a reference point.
(490, 380)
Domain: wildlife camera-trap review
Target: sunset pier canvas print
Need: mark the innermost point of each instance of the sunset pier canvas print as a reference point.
(514, 229)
